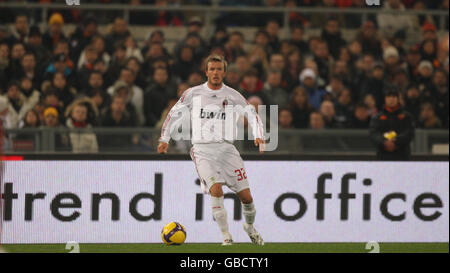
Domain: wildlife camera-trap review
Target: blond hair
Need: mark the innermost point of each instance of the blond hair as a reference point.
(216, 58)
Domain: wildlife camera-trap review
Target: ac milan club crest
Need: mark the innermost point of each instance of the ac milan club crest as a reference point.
(224, 103)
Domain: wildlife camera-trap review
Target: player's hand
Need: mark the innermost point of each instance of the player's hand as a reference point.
(261, 143)
(162, 148)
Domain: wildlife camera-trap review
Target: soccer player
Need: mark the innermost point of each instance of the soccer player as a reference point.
(216, 159)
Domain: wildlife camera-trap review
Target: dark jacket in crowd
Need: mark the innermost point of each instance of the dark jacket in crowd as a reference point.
(397, 120)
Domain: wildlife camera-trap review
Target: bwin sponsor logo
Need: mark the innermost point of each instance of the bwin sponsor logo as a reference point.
(212, 115)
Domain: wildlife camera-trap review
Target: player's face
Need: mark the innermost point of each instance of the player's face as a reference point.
(215, 73)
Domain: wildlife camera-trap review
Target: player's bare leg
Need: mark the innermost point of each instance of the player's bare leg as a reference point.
(249, 212)
(220, 213)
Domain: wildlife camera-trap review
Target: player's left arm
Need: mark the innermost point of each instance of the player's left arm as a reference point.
(254, 120)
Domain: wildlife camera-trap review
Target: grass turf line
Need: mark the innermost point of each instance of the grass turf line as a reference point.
(236, 248)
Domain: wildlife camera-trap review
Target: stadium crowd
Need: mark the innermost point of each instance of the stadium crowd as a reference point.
(90, 79)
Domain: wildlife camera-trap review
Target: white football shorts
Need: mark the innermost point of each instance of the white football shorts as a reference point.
(219, 163)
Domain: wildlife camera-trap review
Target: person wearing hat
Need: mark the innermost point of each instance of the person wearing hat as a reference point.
(54, 33)
(59, 64)
(308, 81)
(392, 129)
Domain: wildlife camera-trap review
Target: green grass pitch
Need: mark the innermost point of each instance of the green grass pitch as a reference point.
(236, 248)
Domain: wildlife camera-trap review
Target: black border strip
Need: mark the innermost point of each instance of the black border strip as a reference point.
(184, 157)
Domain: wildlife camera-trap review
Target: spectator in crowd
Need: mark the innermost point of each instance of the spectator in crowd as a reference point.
(30, 70)
(376, 85)
(54, 33)
(119, 32)
(234, 47)
(440, 93)
(300, 108)
(262, 40)
(412, 102)
(220, 36)
(258, 60)
(323, 59)
(242, 63)
(100, 98)
(62, 47)
(15, 67)
(3, 34)
(273, 91)
(392, 130)
(285, 119)
(116, 115)
(20, 104)
(334, 88)
(51, 120)
(329, 114)
(136, 93)
(35, 45)
(184, 63)
(369, 39)
(233, 77)
(308, 82)
(8, 120)
(4, 63)
(157, 96)
(343, 108)
(428, 118)
(196, 78)
(78, 118)
(94, 81)
(251, 85)
(273, 29)
(95, 50)
(132, 49)
(392, 19)
(65, 92)
(82, 36)
(297, 33)
(316, 121)
(293, 68)
(360, 118)
(424, 78)
(331, 34)
(391, 60)
(59, 65)
(30, 93)
(400, 79)
(19, 31)
(30, 120)
(118, 61)
(412, 61)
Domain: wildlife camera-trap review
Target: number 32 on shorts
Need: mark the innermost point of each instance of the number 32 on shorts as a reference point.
(241, 174)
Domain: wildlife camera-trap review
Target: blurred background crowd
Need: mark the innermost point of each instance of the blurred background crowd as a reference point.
(89, 78)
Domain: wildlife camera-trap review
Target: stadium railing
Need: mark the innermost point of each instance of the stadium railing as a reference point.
(292, 141)
(210, 12)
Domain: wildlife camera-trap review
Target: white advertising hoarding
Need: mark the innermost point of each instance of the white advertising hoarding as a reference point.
(315, 201)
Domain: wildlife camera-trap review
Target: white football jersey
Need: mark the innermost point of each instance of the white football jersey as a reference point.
(213, 115)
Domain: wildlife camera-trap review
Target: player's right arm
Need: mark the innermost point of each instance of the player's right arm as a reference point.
(171, 120)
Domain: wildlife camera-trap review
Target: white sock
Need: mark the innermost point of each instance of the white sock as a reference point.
(220, 215)
(249, 213)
